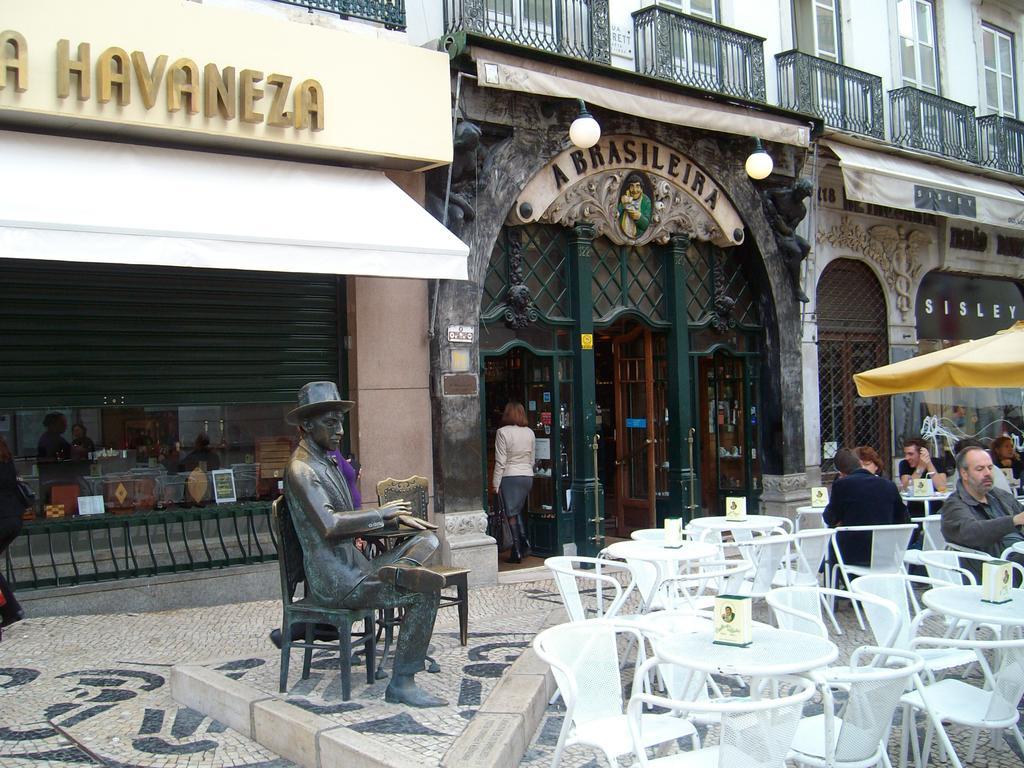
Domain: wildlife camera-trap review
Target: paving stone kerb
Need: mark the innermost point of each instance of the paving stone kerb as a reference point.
(496, 737)
(304, 738)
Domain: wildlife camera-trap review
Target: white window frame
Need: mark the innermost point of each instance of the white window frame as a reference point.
(686, 6)
(833, 7)
(1001, 108)
(919, 42)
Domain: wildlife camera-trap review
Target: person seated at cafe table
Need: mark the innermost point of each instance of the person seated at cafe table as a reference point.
(917, 463)
(1005, 457)
(860, 497)
(869, 459)
(979, 516)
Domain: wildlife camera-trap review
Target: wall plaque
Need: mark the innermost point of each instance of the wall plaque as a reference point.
(459, 384)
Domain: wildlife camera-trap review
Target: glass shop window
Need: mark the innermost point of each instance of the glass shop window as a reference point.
(120, 460)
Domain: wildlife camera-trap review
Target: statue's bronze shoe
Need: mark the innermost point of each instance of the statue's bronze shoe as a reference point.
(412, 577)
(411, 695)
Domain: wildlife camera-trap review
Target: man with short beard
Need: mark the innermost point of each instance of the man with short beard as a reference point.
(977, 515)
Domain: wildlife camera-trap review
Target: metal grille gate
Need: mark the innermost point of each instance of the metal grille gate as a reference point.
(852, 337)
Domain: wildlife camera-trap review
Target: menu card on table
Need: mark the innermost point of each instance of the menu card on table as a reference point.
(735, 508)
(819, 497)
(733, 620)
(996, 580)
(673, 532)
(923, 486)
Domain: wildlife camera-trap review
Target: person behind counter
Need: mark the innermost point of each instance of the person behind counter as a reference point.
(10, 526)
(513, 473)
(52, 445)
(81, 444)
(200, 456)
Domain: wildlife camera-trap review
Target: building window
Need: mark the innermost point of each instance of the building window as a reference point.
(1000, 88)
(817, 28)
(704, 9)
(916, 23)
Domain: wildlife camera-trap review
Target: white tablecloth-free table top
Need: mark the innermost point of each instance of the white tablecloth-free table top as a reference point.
(751, 523)
(927, 500)
(658, 553)
(964, 602)
(772, 652)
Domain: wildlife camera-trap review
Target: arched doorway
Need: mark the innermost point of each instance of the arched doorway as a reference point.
(852, 337)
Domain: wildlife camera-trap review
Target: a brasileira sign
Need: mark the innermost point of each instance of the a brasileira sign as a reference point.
(633, 190)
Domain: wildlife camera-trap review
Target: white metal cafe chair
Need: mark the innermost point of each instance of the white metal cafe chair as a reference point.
(955, 701)
(803, 566)
(754, 733)
(874, 682)
(584, 659)
(592, 587)
(767, 553)
(888, 545)
(931, 538)
(897, 588)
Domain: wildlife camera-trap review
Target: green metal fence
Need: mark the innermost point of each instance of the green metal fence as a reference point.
(81, 550)
(390, 13)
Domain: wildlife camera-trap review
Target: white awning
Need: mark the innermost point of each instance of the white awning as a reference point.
(912, 185)
(79, 200)
(514, 73)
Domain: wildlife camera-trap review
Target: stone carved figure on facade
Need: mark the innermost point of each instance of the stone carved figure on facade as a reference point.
(519, 309)
(894, 249)
(338, 574)
(634, 208)
(784, 208)
(721, 318)
(463, 173)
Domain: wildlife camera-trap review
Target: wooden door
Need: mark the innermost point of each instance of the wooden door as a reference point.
(636, 430)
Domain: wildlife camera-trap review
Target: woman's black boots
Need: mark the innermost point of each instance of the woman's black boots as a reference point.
(520, 546)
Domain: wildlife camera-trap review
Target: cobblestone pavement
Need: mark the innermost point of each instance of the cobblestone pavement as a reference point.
(94, 690)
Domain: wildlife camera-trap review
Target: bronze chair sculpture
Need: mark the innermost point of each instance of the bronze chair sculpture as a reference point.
(415, 490)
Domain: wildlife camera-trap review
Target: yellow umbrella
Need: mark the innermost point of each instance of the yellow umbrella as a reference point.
(995, 361)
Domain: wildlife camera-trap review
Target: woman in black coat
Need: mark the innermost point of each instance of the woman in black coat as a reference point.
(10, 526)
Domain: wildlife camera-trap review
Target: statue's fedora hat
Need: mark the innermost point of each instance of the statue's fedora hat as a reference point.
(317, 397)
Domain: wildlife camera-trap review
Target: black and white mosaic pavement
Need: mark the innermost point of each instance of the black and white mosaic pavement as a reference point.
(95, 690)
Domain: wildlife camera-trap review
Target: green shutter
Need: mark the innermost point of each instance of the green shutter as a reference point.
(78, 335)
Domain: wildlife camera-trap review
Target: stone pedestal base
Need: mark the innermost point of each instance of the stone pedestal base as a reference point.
(465, 544)
(782, 494)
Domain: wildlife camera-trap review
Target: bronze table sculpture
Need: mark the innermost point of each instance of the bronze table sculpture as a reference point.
(338, 575)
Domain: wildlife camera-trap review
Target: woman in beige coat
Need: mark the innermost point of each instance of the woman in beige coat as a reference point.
(513, 473)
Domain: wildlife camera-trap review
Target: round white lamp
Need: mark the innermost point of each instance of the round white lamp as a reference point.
(585, 131)
(759, 165)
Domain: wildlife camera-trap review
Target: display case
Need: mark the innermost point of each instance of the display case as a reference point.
(730, 462)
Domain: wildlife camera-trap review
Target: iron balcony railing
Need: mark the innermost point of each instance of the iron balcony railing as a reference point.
(80, 550)
(923, 120)
(576, 28)
(390, 13)
(1001, 143)
(673, 46)
(843, 97)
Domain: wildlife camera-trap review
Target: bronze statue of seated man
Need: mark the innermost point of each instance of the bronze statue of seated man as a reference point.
(338, 575)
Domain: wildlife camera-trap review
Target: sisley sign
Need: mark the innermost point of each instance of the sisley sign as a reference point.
(956, 308)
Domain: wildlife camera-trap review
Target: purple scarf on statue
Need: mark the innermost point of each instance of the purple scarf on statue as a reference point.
(349, 473)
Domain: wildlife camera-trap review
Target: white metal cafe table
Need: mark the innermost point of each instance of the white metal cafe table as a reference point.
(964, 602)
(772, 652)
(742, 530)
(926, 500)
(805, 514)
(665, 559)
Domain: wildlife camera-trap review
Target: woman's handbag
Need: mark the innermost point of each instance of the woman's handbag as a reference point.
(497, 524)
(24, 493)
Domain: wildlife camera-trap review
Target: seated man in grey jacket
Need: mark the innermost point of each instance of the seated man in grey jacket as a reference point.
(977, 515)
